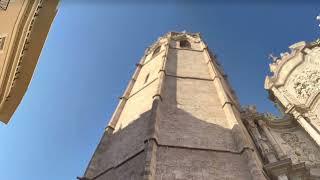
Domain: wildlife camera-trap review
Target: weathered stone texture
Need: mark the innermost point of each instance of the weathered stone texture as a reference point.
(180, 164)
(137, 105)
(24, 25)
(295, 87)
(298, 146)
(142, 92)
(130, 170)
(181, 115)
(120, 146)
(194, 117)
(150, 67)
(187, 63)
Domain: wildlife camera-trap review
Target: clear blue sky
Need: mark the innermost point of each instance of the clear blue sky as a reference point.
(91, 52)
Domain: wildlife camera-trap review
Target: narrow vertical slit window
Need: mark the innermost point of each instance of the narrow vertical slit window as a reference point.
(146, 79)
(2, 40)
(156, 51)
(185, 44)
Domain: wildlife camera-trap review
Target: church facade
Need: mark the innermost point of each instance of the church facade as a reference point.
(180, 119)
(290, 145)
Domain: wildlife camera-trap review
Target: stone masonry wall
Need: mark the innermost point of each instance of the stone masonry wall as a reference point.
(190, 134)
(178, 164)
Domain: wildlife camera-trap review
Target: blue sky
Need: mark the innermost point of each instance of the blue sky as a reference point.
(91, 52)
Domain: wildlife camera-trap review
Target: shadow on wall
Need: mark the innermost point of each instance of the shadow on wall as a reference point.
(188, 147)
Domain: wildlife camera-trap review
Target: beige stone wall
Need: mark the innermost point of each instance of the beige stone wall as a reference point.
(191, 113)
(9, 18)
(298, 146)
(25, 24)
(131, 170)
(120, 147)
(131, 126)
(179, 119)
(12, 23)
(185, 121)
(175, 163)
(141, 95)
(187, 63)
(136, 105)
(316, 112)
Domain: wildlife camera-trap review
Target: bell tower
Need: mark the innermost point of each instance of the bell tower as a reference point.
(177, 119)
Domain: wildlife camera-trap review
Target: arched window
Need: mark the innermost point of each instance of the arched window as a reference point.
(156, 51)
(185, 44)
(146, 79)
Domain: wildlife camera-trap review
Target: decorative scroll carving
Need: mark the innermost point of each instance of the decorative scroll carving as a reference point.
(307, 83)
(300, 151)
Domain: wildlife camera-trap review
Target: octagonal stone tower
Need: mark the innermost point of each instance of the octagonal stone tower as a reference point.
(177, 119)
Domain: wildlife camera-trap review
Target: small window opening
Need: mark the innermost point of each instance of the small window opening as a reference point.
(185, 44)
(4, 4)
(146, 79)
(156, 51)
(2, 40)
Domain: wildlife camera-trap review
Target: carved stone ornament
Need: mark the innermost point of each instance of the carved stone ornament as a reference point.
(191, 37)
(307, 83)
(300, 150)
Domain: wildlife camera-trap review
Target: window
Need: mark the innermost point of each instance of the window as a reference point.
(185, 44)
(4, 4)
(156, 51)
(2, 40)
(146, 79)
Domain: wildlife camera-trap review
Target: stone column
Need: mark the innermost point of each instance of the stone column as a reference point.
(308, 128)
(150, 163)
(273, 142)
(269, 154)
(283, 177)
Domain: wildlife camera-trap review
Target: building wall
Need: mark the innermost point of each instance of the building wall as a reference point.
(26, 24)
(177, 163)
(191, 112)
(11, 20)
(142, 91)
(286, 148)
(131, 125)
(131, 170)
(176, 119)
(298, 146)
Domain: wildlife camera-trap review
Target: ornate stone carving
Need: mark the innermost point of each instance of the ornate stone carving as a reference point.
(300, 151)
(314, 119)
(191, 37)
(307, 83)
(261, 140)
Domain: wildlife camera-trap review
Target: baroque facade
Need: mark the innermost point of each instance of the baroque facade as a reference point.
(24, 25)
(180, 119)
(290, 145)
